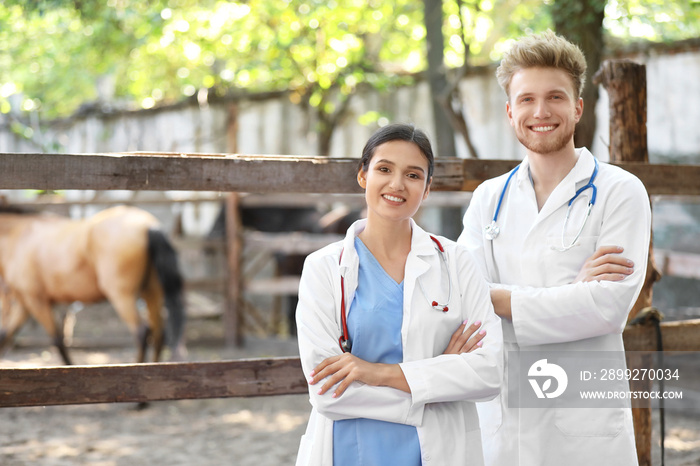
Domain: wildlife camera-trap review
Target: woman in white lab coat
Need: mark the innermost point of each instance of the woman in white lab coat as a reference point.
(405, 393)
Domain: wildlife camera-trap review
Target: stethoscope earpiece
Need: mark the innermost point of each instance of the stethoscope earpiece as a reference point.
(439, 307)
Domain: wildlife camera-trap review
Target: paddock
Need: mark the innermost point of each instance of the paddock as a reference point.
(255, 431)
(231, 377)
(216, 431)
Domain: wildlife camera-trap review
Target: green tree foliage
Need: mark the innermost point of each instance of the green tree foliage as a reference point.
(161, 51)
(654, 20)
(56, 55)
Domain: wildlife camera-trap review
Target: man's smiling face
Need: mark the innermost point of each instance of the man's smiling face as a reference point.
(543, 109)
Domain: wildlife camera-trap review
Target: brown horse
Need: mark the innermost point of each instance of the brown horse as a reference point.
(119, 254)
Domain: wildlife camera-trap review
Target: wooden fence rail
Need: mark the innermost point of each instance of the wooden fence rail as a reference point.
(131, 383)
(676, 336)
(263, 173)
(150, 382)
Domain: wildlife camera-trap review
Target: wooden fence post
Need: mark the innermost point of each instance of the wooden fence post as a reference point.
(233, 313)
(625, 82)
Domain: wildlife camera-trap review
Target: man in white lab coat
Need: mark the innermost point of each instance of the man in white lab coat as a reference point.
(559, 285)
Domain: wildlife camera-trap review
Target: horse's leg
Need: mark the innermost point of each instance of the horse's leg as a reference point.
(142, 337)
(69, 320)
(125, 305)
(13, 318)
(40, 309)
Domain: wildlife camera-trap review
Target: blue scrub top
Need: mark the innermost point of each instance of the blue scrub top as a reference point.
(374, 323)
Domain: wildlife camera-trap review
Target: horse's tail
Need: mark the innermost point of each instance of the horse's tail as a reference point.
(164, 259)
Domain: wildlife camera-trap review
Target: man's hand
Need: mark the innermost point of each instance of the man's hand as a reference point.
(501, 303)
(605, 264)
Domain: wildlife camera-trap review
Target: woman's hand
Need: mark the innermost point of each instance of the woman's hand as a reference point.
(464, 341)
(347, 368)
(605, 264)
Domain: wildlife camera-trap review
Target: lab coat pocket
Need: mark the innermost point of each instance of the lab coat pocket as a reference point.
(563, 265)
(586, 422)
(490, 415)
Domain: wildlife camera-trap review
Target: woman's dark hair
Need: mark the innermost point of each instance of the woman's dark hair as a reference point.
(398, 132)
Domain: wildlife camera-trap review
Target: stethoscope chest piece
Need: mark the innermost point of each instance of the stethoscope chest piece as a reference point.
(491, 231)
(345, 345)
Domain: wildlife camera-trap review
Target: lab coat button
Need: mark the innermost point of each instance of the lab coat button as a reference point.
(426, 458)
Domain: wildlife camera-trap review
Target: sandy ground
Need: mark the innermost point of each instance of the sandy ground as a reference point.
(234, 431)
(257, 431)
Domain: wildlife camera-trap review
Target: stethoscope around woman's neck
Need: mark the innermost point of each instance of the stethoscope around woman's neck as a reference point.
(344, 340)
(492, 230)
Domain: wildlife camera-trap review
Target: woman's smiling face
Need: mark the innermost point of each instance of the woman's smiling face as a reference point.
(396, 181)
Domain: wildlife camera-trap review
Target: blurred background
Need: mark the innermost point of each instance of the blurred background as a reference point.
(317, 78)
(311, 77)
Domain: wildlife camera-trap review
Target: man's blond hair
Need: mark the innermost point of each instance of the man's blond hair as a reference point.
(546, 50)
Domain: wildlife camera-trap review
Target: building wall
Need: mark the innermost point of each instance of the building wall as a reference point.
(276, 126)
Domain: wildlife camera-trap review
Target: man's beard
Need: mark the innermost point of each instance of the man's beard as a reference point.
(545, 146)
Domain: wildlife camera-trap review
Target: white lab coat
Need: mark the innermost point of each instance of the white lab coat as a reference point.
(550, 313)
(443, 387)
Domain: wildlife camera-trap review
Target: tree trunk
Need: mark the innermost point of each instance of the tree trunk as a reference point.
(581, 22)
(451, 98)
(444, 136)
(625, 82)
(328, 122)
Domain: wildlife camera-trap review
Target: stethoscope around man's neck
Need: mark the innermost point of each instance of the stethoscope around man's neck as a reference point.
(344, 340)
(492, 230)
